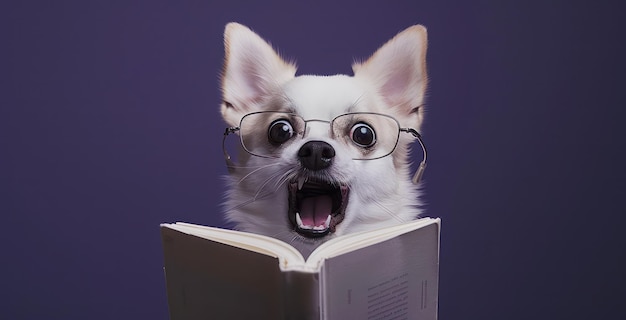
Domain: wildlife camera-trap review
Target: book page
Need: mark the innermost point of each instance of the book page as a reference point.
(353, 241)
(288, 256)
(394, 279)
(211, 280)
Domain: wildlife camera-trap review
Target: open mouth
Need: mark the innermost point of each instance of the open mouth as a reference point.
(316, 207)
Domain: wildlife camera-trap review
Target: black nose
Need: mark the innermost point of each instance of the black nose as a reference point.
(316, 155)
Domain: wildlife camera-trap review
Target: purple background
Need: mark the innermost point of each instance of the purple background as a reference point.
(109, 125)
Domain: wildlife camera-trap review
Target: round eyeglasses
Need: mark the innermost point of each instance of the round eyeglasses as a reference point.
(372, 135)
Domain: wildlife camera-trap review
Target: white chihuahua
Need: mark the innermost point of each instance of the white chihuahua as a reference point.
(322, 156)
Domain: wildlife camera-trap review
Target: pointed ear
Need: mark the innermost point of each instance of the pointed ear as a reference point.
(252, 71)
(397, 72)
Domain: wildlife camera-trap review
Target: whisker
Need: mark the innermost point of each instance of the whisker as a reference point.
(249, 167)
(283, 178)
(357, 101)
(257, 170)
(267, 181)
(279, 178)
(278, 234)
(249, 201)
(240, 205)
(294, 238)
(391, 213)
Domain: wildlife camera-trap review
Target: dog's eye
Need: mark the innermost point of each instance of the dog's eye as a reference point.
(280, 131)
(363, 135)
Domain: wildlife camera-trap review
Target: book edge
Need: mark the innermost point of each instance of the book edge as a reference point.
(290, 259)
(363, 239)
(288, 256)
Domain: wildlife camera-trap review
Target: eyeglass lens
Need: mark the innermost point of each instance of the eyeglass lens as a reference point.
(369, 135)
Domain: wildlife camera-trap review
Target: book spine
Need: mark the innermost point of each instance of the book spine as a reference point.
(301, 295)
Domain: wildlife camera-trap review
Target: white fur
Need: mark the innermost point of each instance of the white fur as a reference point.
(392, 81)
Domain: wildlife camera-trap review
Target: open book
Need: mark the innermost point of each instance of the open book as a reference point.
(389, 273)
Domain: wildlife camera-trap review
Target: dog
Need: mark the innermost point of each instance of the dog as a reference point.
(322, 156)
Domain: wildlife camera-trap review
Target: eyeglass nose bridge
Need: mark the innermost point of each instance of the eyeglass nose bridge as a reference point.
(321, 132)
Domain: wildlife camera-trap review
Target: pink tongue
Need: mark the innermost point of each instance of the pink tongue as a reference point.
(315, 210)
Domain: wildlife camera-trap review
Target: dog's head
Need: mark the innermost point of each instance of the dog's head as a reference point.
(322, 155)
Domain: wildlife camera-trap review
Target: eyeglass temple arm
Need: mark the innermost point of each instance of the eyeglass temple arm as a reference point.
(229, 163)
(422, 167)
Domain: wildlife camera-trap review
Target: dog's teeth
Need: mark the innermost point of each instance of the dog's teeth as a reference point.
(299, 220)
(301, 182)
(321, 227)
